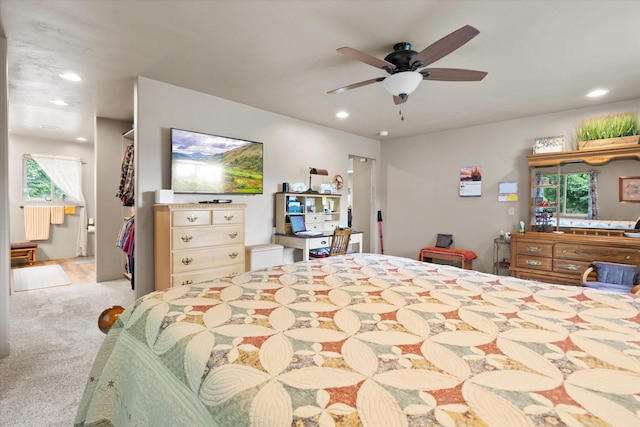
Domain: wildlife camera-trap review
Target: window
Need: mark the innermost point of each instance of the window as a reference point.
(37, 184)
(574, 193)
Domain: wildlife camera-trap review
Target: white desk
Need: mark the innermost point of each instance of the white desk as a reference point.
(315, 242)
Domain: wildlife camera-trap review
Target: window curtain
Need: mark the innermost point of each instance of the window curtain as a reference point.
(592, 212)
(538, 197)
(66, 173)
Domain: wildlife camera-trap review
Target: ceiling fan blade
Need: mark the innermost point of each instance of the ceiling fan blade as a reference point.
(366, 58)
(453, 74)
(356, 85)
(398, 100)
(445, 45)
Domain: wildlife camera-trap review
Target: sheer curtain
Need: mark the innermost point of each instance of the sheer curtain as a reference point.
(593, 195)
(66, 173)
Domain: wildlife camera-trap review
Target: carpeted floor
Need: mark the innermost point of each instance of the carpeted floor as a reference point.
(45, 276)
(54, 340)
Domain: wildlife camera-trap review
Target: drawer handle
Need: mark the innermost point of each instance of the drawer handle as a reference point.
(187, 238)
(228, 217)
(564, 251)
(628, 257)
(233, 235)
(324, 242)
(187, 282)
(533, 262)
(187, 261)
(533, 249)
(572, 267)
(233, 255)
(192, 218)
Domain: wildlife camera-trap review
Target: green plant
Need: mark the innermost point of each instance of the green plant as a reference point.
(611, 126)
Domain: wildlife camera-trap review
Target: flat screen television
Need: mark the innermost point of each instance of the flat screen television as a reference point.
(214, 164)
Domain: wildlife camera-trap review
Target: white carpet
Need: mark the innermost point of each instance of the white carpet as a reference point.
(46, 276)
(54, 340)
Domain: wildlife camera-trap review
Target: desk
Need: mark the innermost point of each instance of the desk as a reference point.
(315, 242)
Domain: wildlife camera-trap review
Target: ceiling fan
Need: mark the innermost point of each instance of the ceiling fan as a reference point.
(403, 63)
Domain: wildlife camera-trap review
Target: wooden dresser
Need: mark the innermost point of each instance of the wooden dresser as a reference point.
(561, 258)
(197, 242)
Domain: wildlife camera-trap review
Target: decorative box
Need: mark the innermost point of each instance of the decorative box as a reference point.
(548, 144)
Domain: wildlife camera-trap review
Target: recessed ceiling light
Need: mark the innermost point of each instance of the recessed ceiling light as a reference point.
(342, 114)
(81, 139)
(59, 102)
(71, 76)
(384, 132)
(597, 92)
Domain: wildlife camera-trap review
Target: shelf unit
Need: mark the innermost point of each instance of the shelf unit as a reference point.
(321, 211)
(541, 212)
(501, 256)
(127, 138)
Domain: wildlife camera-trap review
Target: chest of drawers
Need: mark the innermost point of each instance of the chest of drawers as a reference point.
(197, 242)
(561, 258)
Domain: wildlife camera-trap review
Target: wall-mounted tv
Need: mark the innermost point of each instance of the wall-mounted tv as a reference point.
(213, 164)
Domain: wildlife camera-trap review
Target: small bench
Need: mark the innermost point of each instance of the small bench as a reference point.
(24, 250)
(464, 257)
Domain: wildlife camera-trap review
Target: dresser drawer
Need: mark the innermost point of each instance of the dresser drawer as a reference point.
(315, 226)
(191, 218)
(320, 242)
(597, 253)
(533, 248)
(331, 225)
(534, 262)
(185, 238)
(199, 259)
(569, 266)
(204, 276)
(231, 216)
(314, 218)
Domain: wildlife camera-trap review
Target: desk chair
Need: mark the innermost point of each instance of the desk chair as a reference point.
(340, 241)
(613, 277)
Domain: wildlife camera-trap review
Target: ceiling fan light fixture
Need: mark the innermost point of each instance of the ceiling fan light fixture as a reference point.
(403, 83)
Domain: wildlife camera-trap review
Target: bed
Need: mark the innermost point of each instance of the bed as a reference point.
(371, 340)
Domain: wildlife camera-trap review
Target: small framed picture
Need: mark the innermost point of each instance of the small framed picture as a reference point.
(629, 189)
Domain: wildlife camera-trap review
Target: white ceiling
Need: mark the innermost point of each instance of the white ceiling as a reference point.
(280, 56)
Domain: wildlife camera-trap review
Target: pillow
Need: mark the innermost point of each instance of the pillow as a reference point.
(444, 240)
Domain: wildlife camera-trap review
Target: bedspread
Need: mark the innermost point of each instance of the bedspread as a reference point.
(370, 340)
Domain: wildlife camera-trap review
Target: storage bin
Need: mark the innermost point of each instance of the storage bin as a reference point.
(263, 256)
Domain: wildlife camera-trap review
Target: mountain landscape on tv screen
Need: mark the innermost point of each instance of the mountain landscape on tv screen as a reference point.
(238, 170)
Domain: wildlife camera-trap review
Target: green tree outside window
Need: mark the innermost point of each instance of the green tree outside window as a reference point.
(37, 184)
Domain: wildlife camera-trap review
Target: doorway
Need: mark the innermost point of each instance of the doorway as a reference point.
(361, 200)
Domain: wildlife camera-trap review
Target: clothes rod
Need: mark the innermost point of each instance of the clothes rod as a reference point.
(75, 206)
(29, 156)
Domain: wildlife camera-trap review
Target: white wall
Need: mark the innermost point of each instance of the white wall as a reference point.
(290, 147)
(420, 187)
(62, 238)
(4, 206)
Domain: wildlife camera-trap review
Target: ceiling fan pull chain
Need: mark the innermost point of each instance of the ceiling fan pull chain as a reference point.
(401, 115)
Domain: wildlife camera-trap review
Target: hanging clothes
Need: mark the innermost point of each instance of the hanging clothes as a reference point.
(126, 188)
(125, 242)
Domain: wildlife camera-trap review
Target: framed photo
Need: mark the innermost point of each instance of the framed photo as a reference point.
(629, 187)
(548, 144)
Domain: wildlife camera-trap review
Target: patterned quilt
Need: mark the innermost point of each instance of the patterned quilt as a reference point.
(369, 340)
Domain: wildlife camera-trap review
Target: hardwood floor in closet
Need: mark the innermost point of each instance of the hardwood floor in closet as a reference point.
(79, 270)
